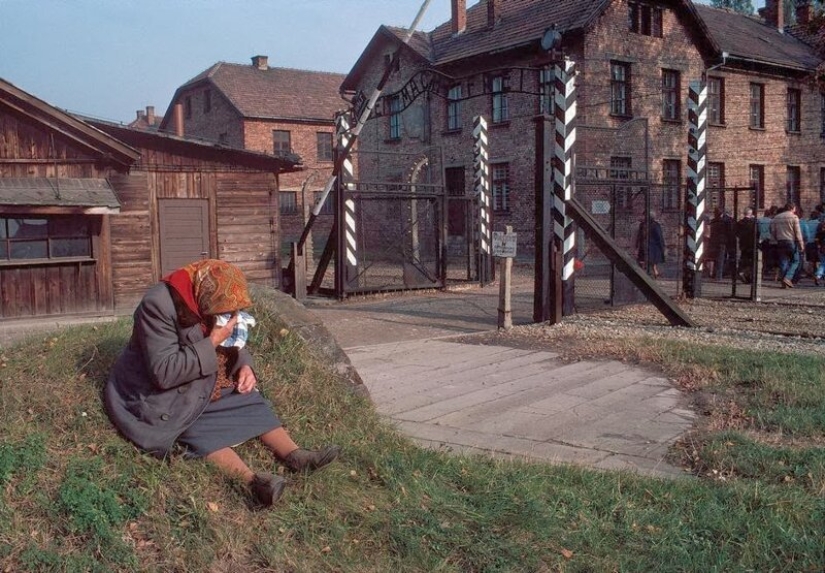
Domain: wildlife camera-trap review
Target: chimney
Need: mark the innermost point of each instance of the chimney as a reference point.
(260, 62)
(150, 114)
(459, 15)
(178, 119)
(774, 15)
(139, 114)
(492, 12)
(803, 12)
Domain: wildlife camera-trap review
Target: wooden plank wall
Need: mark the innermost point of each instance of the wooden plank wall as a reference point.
(246, 223)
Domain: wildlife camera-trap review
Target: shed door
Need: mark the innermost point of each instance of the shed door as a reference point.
(184, 232)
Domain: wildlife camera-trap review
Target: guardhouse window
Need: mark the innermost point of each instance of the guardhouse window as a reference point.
(41, 238)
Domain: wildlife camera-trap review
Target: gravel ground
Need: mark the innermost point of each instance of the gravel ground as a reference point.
(797, 327)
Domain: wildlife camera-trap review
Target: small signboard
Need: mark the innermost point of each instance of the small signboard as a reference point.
(504, 244)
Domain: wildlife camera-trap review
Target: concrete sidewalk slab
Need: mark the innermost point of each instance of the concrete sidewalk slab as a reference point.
(525, 403)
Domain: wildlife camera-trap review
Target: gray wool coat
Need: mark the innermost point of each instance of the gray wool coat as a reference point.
(164, 378)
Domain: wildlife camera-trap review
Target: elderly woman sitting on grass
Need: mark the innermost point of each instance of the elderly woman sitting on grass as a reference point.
(181, 380)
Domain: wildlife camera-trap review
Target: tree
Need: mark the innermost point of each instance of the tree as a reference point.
(741, 6)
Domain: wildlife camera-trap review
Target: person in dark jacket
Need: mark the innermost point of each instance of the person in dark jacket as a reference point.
(723, 241)
(746, 235)
(650, 245)
(177, 382)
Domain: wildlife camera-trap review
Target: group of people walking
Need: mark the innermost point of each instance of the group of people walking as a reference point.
(792, 247)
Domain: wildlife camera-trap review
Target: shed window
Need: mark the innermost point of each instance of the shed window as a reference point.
(41, 238)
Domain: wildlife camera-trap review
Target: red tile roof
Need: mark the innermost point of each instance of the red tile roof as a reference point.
(275, 93)
(743, 36)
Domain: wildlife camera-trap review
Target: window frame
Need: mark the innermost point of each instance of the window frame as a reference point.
(324, 146)
(671, 104)
(394, 105)
(645, 19)
(187, 107)
(51, 239)
(715, 182)
(620, 103)
(547, 90)
(671, 184)
(207, 101)
(453, 114)
(500, 186)
(289, 207)
(277, 145)
(716, 101)
(794, 110)
(500, 107)
(756, 110)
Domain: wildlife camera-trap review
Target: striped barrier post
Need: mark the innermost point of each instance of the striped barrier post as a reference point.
(348, 219)
(565, 114)
(481, 185)
(695, 195)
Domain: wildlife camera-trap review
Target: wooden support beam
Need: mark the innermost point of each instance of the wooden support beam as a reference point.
(627, 266)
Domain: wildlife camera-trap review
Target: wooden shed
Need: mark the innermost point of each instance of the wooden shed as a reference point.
(92, 214)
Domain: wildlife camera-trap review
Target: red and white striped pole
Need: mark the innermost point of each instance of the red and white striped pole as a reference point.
(695, 196)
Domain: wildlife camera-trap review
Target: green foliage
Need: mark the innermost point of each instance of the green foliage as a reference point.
(741, 6)
(24, 458)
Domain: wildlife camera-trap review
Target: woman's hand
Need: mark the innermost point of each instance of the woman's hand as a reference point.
(221, 333)
(246, 380)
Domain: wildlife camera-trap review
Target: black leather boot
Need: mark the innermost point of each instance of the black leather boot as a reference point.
(302, 460)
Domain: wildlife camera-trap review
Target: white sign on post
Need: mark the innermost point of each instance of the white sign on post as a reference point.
(504, 244)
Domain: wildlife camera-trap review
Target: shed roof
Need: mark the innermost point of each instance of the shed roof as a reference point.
(89, 194)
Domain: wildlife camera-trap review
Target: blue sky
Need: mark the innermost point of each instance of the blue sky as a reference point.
(109, 58)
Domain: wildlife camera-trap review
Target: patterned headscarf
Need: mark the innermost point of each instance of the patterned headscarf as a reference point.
(210, 287)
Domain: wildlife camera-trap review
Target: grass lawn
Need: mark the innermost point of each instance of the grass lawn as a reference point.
(74, 496)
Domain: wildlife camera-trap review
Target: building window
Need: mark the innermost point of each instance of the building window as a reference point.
(323, 145)
(327, 207)
(207, 101)
(40, 238)
(793, 180)
(547, 90)
(281, 143)
(716, 101)
(670, 95)
(716, 185)
(395, 117)
(645, 19)
(672, 179)
(223, 138)
(501, 111)
(620, 89)
(794, 113)
(501, 186)
(757, 106)
(187, 107)
(757, 177)
(288, 202)
(454, 108)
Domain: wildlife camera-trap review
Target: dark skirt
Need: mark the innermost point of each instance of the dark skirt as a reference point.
(229, 421)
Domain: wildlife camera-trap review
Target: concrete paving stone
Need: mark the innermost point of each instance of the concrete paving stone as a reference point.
(623, 376)
(434, 352)
(557, 402)
(461, 439)
(640, 465)
(435, 382)
(639, 397)
(480, 395)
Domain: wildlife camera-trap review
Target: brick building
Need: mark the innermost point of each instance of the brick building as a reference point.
(635, 60)
(279, 111)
